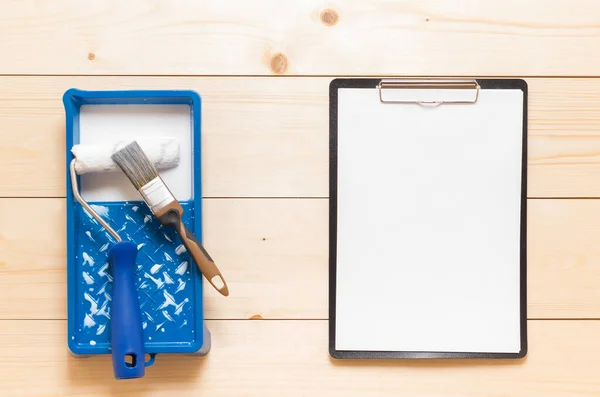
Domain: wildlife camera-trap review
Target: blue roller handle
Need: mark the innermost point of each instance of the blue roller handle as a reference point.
(126, 317)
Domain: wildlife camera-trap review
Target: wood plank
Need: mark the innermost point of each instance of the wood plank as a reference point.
(261, 137)
(274, 254)
(564, 138)
(268, 137)
(563, 258)
(466, 37)
(291, 357)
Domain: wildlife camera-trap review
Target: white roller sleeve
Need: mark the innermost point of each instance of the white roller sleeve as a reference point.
(163, 152)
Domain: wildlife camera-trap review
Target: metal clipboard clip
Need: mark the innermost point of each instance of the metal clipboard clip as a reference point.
(420, 84)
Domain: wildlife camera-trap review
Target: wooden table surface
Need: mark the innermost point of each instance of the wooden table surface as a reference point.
(263, 69)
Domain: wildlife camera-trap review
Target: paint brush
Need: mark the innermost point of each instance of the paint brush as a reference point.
(144, 177)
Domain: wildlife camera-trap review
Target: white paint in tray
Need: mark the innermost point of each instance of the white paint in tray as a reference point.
(99, 124)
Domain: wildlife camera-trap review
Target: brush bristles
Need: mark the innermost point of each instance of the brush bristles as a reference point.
(135, 164)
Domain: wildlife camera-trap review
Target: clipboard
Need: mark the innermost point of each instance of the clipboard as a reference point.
(428, 218)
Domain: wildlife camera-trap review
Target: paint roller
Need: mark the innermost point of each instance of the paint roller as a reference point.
(163, 152)
(127, 343)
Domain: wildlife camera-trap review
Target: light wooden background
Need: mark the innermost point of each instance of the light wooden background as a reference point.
(263, 69)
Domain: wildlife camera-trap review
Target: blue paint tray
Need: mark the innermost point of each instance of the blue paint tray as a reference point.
(168, 283)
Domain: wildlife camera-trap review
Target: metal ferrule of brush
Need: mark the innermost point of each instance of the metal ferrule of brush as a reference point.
(156, 194)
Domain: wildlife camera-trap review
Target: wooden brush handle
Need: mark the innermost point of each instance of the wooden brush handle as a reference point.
(171, 216)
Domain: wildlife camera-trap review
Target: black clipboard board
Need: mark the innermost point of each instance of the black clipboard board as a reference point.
(451, 95)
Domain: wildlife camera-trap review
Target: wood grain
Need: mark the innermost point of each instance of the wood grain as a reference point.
(268, 137)
(563, 258)
(274, 358)
(271, 252)
(274, 255)
(260, 137)
(267, 37)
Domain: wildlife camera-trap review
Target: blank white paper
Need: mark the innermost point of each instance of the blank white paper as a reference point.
(428, 224)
